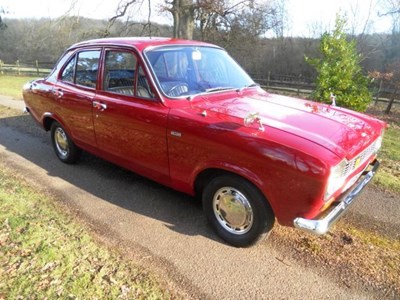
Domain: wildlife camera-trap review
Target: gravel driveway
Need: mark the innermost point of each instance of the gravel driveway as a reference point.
(166, 231)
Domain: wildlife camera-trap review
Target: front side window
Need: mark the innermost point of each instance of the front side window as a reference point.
(143, 88)
(189, 70)
(119, 72)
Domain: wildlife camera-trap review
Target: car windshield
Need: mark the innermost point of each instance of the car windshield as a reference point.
(188, 70)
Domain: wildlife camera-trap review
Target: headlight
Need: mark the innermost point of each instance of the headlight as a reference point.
(336, 179)
(378, 142)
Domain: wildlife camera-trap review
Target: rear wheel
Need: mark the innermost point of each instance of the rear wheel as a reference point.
(237, 210)
(64, 147)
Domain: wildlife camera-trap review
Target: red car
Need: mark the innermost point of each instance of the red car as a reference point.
(185, 114)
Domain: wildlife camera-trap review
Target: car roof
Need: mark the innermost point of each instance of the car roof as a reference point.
(139, 43)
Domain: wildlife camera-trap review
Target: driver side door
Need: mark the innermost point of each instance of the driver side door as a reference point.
(129, 121)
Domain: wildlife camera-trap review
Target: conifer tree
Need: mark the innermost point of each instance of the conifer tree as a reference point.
(339, 71)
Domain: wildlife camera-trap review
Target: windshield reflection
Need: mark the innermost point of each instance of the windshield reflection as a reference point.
(188, 70)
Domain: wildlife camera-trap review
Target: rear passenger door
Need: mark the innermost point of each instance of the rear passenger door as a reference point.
(74, 92)
(130, 121)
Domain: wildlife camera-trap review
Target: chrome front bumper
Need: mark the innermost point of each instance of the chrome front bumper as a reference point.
(322, 226)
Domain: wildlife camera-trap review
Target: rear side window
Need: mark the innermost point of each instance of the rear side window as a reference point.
(87, 67)
(82, 69)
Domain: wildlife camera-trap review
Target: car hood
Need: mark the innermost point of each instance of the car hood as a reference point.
(341, 131)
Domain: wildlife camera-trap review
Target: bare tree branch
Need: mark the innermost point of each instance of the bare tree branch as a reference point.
(149, 17)
(121, 11)
(389, 13)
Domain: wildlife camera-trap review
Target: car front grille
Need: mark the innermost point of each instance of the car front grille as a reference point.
(359, 159)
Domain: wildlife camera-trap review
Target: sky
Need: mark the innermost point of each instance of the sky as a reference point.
(310, 16)
(307, 18)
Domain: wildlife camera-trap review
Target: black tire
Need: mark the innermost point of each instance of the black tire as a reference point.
(237, 210)
(64, 147)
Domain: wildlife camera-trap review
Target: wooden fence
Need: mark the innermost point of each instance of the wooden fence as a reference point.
(279, 83)
(33, 68)
(303, 87)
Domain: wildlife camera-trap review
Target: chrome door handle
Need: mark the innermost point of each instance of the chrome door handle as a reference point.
(58, 93)
(100, 106)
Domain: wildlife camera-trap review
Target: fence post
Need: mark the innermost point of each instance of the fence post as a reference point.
(377, 94)
(1, 66)
(37, 67)
(18, 67)
(269, 77)
(298, 86)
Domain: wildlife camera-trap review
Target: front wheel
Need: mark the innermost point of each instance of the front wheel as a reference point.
(64, 147)
(237, 210)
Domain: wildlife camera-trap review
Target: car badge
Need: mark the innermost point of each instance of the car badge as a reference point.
(251, 118)
(357, 162)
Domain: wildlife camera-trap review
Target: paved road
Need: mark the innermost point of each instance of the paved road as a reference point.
(162, 229)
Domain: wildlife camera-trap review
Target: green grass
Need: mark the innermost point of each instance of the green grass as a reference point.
(44, 254)
(12, 85)
(391, 149)
(389, 174)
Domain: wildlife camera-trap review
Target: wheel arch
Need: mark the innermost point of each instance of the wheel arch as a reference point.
(208, 174)
(48, 119)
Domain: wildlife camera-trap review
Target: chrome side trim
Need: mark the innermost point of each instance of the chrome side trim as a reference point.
(176, 133)
(322, 226)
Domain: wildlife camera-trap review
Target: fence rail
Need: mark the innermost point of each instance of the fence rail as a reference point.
(281, 83)
(301, 87)
(306, 92)
(34, 68)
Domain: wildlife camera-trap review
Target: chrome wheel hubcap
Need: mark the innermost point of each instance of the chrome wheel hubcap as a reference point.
(61, 140)
(232, 210)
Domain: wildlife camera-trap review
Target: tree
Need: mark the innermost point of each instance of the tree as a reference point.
(217, 18)
(183, 14)
(121, 11)
(339, 71)
(391, 80)
(394, 84)
(392, 9)
(2, 24)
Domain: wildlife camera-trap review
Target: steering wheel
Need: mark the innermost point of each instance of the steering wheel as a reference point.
(178, 89)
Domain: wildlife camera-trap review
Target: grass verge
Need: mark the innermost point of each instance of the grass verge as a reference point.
(353, 255)
(12, 85)
(45, 254)
(388, 177)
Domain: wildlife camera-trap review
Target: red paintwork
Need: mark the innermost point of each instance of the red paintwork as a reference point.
(289, 162)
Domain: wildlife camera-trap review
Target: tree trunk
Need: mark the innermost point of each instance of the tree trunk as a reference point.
(183, 14)
(187, 24)
(389, 107)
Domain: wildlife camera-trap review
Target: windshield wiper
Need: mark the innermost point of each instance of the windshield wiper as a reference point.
(248, 86)
(252, 85)
(220, 88)
(223, 88)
